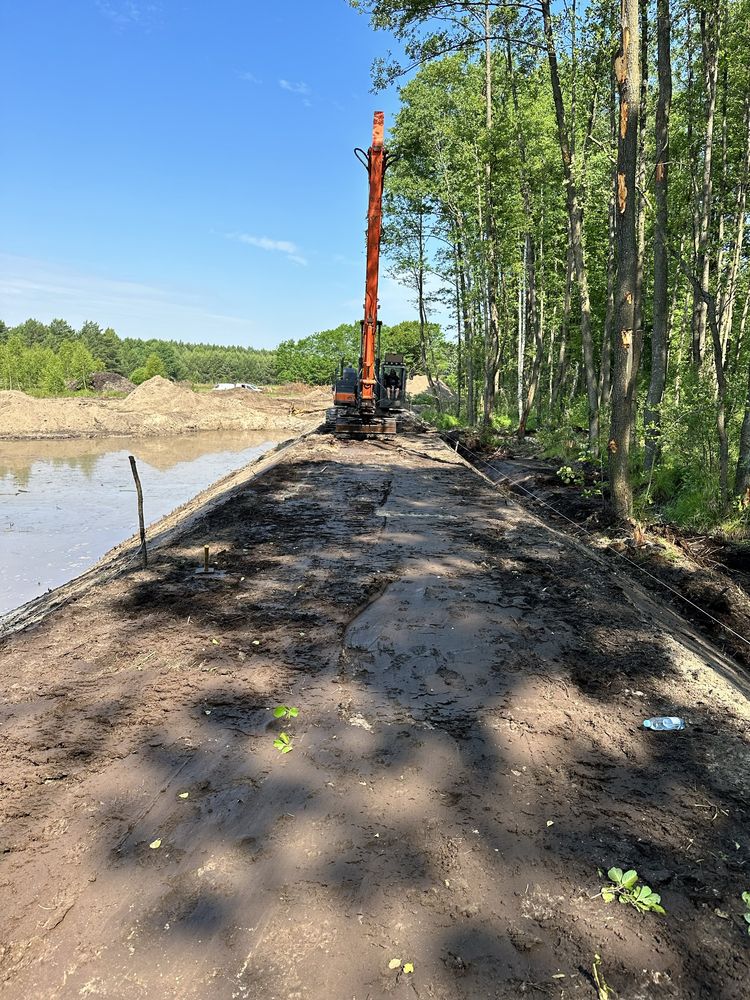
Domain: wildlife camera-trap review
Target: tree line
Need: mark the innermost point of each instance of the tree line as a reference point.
(314, 359)
(572, 184)
(48, 358)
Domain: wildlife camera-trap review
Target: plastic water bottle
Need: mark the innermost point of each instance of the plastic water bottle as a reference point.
(664, 723)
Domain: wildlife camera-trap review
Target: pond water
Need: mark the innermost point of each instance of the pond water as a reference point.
(63, 504)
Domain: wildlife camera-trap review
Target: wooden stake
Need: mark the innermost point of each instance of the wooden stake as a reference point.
(205, 559)
(139, 491)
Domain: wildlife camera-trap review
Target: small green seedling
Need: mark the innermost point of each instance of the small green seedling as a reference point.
(285, 712)
(746, 916)
(603, 989)
(283, 743)
(624, 886)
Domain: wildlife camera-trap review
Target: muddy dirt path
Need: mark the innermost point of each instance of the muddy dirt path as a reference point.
(470, 686)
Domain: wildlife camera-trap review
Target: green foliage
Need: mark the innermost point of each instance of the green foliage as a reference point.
(570, 475)
(283, 743)
(37, 368)
(501, 422)
(53, 378)
(624, 886)
(285, 712)
(316, 359)
(154, 366)
(443, 421)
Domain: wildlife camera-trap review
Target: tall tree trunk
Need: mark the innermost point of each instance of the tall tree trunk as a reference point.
(741, 332)
(742, 475)
(424, 347)
(529, 310)
(659, 335)
(728, 295)
(575, 216)
(521, 339)
(721, 378)
(709, 20)
(492, 335)
(562, 356)
(459, 339)
(638, 321)
(627, 74)
(464, 280)
(605, 362)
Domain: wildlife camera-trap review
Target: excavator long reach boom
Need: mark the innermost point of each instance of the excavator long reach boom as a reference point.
(376, 171)
(368, 399)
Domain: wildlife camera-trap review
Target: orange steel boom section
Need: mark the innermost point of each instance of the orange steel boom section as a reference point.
(376, 170)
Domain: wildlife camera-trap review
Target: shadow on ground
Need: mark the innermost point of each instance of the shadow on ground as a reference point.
(467, 754)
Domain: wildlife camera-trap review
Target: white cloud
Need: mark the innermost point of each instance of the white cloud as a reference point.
(300, 88)
(130, 13)
(248, 76)
(264, 243)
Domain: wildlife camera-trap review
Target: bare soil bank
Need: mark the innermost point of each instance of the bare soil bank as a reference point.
(470, 688)
(159, 406)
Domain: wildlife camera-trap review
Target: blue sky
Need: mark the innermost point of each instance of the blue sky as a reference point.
(184, 169)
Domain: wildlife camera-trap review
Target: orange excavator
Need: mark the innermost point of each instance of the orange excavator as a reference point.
(368, 400)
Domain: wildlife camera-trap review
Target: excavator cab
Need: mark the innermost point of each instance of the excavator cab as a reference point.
(392, 382)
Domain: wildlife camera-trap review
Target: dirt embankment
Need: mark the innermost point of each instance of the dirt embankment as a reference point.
(159, 406)
(468, 752)
(706, 579)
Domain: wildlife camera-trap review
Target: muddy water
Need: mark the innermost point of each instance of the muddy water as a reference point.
(63, 504)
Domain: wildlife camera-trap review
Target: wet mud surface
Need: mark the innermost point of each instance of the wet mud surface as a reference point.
(467, 753)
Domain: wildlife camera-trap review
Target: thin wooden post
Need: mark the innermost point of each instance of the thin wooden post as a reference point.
(139, 491)
(205, 559)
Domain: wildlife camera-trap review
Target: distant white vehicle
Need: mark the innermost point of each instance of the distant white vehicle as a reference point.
(223, 386)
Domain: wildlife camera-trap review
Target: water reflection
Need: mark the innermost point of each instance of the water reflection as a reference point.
(63, 504)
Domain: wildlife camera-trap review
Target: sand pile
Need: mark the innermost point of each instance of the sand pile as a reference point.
(159, 395)
(297, 389)
(157, 406)
(25, 416)
(420, 384)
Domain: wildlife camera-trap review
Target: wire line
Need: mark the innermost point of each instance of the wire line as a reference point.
(591, 534)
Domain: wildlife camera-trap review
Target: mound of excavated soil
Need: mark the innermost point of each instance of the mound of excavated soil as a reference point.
(157, 406)
(420, 384)
(159, 395)
(102, 382)
(296, 389)
(110, 382)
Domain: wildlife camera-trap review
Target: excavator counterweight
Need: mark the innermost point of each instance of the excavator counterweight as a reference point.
(368, 398)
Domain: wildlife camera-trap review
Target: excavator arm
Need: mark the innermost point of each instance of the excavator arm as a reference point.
(369, 398)
(376, 159)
